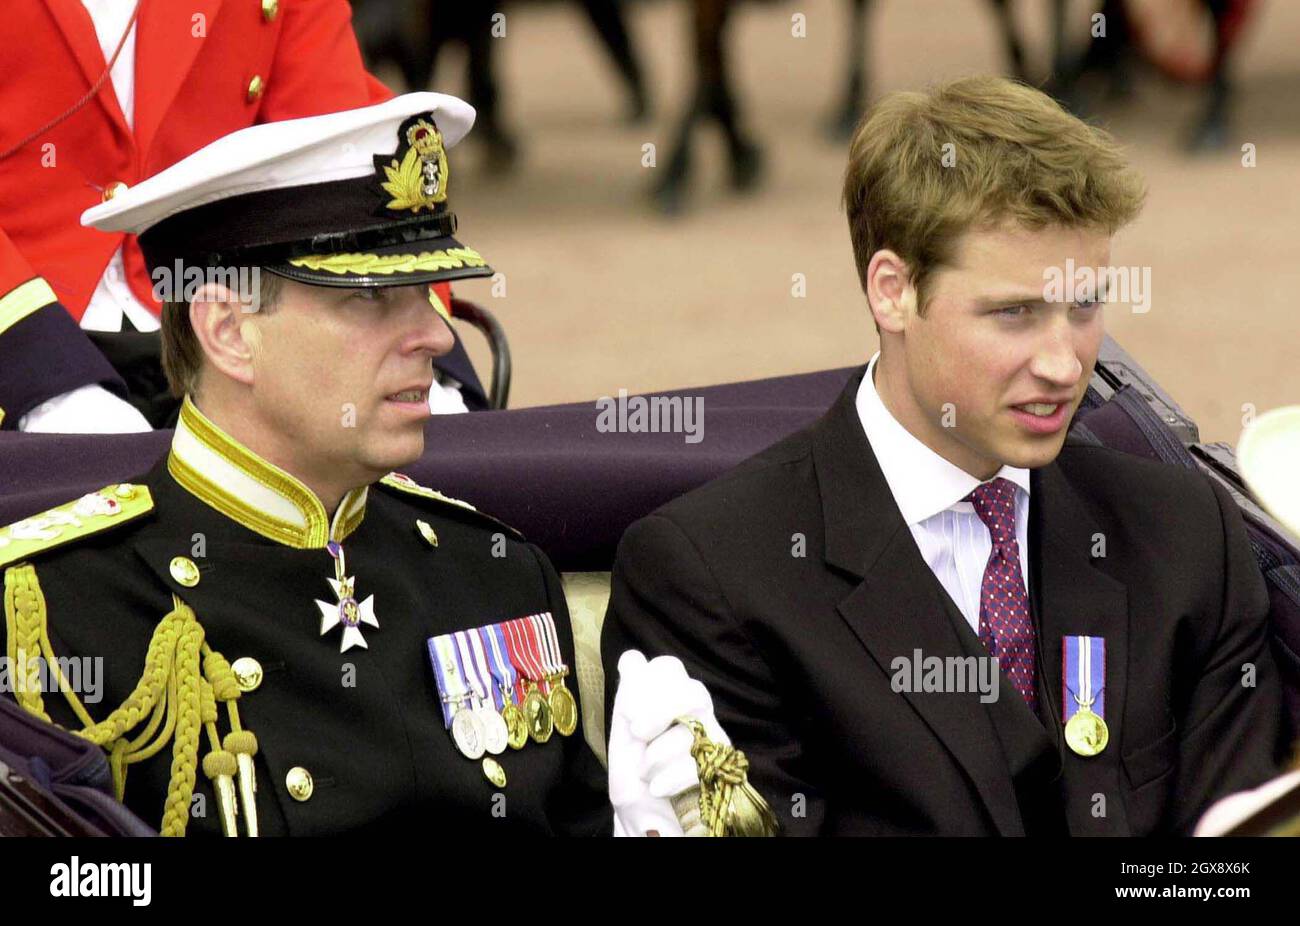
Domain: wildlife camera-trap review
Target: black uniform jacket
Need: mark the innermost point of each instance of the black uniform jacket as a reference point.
(791, 584)
(365, 725)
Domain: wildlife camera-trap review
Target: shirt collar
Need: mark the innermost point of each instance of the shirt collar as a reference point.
(922, 482)
(225, 474)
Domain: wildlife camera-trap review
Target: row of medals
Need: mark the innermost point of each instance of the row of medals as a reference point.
(481, 729)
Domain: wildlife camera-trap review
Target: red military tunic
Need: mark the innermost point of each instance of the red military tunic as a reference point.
(203, 69)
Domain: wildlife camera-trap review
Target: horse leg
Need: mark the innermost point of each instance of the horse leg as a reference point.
(501, 147)
(845, 118)
(607, 17)
(669, 190)
(1011, 39)
(718, 100)
(1211, 129)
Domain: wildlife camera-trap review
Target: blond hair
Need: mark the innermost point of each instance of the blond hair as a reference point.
(924, 168)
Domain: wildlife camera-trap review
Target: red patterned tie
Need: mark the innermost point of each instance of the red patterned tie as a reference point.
(1006, 628)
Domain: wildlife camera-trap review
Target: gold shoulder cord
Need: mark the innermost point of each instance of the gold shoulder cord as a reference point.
(176, 698)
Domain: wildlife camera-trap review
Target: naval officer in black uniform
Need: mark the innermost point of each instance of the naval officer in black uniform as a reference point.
(295, 639)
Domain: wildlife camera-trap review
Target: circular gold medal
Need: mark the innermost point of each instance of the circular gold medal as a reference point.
(564, 709)
(516, 726)
(538, 715)
(1086, 733)
(467, 733)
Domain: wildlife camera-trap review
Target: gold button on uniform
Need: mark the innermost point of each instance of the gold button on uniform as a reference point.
(299, 783)
(184, 571)
(494, 773)
(255, 88)
(427, 532)
(117, 186)
(248, 673)
(269, 9)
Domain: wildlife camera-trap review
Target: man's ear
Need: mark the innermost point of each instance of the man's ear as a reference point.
(890, 292)
(225, 330)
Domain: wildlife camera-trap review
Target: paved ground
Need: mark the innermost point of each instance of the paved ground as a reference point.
(602, 293)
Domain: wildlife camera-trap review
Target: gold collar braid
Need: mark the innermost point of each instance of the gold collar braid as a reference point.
(226, 475)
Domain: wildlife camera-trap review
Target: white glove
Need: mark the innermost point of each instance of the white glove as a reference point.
(85, 410)
(1225, 814)
(649, 755)
(446, 399)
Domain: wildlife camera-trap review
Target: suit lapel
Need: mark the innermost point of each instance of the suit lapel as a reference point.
(78, 31)
(166, 47)
(1072, 597)
(898, 607)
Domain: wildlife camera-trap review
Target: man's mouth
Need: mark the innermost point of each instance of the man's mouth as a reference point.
(410, 395)
(1040, 409)
(1042, 417)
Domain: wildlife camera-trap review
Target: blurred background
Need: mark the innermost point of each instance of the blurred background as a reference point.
(622, 269)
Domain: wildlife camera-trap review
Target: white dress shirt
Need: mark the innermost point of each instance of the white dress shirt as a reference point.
(928, 490)
(113, 302)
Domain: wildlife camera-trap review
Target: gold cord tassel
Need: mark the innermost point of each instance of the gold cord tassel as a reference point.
(725, 804)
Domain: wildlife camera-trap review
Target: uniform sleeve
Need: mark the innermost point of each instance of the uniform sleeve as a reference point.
(665, 601)
(43, 352)
(1232, 724)
(583, 807)
(318, 66)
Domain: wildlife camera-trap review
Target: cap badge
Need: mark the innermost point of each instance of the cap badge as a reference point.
(417, 172)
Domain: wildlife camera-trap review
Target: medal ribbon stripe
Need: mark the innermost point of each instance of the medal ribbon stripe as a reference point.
(514, 648)
(546, 622)
(485, 678)
(543, 644)
(521, 653)
(468, 668)
(533, 647)
(438, 655)
(1083, 676)
(502, 669)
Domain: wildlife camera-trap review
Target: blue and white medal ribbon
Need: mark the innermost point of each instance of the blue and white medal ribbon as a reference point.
(1083, 694)
(466, 728)
(472, 658)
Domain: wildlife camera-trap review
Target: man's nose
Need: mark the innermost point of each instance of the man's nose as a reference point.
(429, 332)
(1057, 357)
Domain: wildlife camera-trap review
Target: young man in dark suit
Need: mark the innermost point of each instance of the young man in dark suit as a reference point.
(841, 594)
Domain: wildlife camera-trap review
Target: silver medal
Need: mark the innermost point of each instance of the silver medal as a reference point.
(495, 735)
(467, 732)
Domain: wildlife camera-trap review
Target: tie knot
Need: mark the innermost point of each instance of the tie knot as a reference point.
(995, 503)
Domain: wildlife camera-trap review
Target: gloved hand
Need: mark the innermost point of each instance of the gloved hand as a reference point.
(86, 410)
(1226, 813)
(649, 755)
(446, 399)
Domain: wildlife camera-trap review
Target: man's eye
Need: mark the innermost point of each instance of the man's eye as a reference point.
(367, 295)
(1013, 311)
(1087, 305)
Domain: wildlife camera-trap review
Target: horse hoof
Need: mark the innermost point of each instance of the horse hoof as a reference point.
(746, 168)
(669, 197)
(1209, 136)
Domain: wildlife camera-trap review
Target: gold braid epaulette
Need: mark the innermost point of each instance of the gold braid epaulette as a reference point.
(175, 699)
